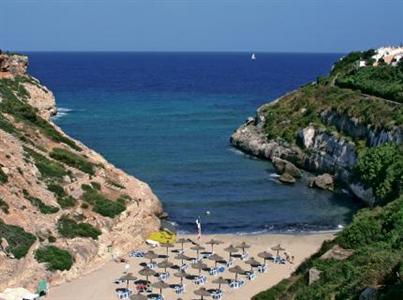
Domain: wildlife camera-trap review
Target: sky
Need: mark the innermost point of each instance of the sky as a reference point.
(200, 25)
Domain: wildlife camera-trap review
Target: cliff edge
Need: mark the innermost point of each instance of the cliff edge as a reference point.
(64, 209)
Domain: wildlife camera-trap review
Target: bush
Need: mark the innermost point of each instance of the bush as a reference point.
(382, 169)
(43, 208)
(73, 160)
(101, 204)
(96, 185)
(19, 241)
(14, 95)
(69, 228)
(55, 258)
(47, 167)
(4, 206)
(64, 200)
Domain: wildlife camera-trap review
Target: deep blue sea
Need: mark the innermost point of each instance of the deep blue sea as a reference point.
(166, 118)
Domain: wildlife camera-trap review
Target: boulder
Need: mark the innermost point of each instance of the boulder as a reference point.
(324, 181)
(369, 294)
(314, 275)
(337, 252)
(283, 166)
(287, 178)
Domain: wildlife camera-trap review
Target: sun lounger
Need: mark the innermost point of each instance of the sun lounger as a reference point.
(250, 275)
(236, 284)
(206, 254)
(200, 280)
(214, 271)
(123, 293)
(279, 260)
(244, 256)
(217, 294)
(136, 253)
(230, 263)
(152, 266)
(179, 289)
(184, 267)
(262, 268)
(143, 288)
(164, 276)
(155, 297)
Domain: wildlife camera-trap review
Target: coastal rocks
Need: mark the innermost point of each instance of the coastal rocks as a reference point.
(337, 252)
(314, 275)
(287, 178)
(42, 99)
(363, 193)
(324, 182)
(14, 65)
(283, 166)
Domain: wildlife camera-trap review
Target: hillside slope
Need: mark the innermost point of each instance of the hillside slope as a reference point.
(63, 207)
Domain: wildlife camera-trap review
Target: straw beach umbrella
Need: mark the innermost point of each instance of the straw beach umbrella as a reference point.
(277, 248)
(165, 264)
(167, 246)
(216, 258)
(243, 246)
(202, 292)
(231, 249)
(182, 257)
(199, 266)
(181, 274)
(147, 272)
(265, 255)
(252, 262)
(237, 270)
(128, 277)
(160, 285)
(220, 281)
(182, 241)
(138, 297)
(151, 255)
(197, 248)
(213, 242)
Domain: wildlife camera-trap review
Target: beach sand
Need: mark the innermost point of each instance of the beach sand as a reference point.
(100, 283)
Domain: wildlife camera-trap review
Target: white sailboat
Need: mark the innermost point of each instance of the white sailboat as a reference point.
(253, 57)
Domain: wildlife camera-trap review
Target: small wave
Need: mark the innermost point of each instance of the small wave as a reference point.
(61, 112)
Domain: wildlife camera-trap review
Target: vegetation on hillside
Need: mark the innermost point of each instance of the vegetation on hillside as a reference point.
(64, 200)
(14, 102)
(48, 168)
(4, 206)
(101, 204)
(3, 176)
(19, 241)
(69, 228)
(376, 238)
(73, 160)
(38, 203)
(55, 258)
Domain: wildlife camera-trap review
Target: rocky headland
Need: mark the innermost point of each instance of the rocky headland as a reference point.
(322, 128)
(57, 196)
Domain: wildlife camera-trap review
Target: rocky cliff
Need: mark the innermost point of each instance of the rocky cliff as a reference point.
(46, 176)
(322, 128)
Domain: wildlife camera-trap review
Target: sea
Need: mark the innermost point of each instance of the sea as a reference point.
(166, 118)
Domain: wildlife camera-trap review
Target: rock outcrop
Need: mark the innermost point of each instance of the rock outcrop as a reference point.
(324, 182)
(24, 145)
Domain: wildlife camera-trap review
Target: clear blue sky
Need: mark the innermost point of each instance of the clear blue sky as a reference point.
(200, 25)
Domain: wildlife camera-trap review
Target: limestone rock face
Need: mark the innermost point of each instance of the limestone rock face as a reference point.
(15, 65)
(42, 99)
(314, 275)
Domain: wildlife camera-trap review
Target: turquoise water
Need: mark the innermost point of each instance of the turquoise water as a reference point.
(166, 118)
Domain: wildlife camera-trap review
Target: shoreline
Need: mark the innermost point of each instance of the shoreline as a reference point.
(98, 284)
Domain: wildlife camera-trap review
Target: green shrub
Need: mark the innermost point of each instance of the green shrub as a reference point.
(382, 169)
(102, 205)
(114, 183)
(64, 200)
(51, 239)
(14, 102)
(19, 241)
(69, 228)
(55, 258)
(47, 167)
(96, 185)
(73, 160)
(43, 208)
(4, 206)
(3, 176)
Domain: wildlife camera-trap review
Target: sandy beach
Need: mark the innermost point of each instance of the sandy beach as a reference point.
(100, 283)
